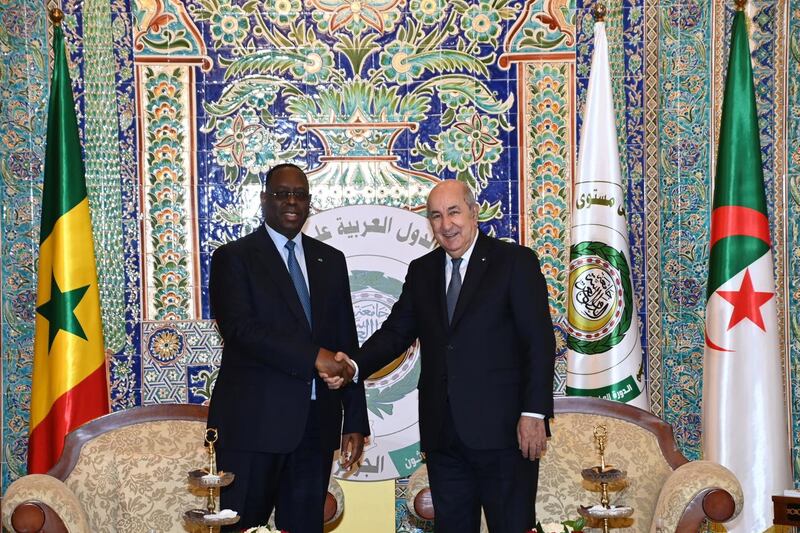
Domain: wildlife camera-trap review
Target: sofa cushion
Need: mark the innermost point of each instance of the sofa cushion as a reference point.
(572, 448)
(134, 478)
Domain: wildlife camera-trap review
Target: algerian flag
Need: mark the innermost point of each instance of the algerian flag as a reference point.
(69, 385)
(605, 351)
(744, 415)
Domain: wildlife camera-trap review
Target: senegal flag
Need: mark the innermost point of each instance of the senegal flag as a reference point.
(744, 415)
(69, 385)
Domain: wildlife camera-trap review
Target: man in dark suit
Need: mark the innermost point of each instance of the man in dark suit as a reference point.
(282, 303)
(479, 308)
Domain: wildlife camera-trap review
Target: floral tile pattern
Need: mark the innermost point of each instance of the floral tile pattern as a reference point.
(185, 105)
(548, 174)
(179, 360)
(685, 178)
(22, 153)
(168, 183)
(792, 228)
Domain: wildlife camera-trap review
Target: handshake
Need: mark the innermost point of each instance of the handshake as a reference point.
(336, 369)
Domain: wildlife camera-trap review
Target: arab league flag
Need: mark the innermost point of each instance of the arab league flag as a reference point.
(69, 385)
(744, 416)
(604, 356)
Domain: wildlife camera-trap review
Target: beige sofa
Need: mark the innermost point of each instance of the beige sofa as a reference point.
(126, 471)
(667, 492)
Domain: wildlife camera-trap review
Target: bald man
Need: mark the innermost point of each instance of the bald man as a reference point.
(479, 308)
(282, 303)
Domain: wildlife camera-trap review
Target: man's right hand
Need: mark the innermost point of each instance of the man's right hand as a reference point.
(333, 368)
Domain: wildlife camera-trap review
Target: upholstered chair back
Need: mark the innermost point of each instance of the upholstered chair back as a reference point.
(134, 478)
(572, 447)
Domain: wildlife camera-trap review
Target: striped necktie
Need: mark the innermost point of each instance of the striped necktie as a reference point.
(299, 281)
(454, 288)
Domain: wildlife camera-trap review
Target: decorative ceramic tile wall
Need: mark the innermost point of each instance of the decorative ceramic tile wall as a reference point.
(792, 224)
(185, 105)
(22, 126)
(684, 121)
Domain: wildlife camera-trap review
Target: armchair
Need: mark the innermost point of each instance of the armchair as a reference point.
(665, 490)
(126, 471)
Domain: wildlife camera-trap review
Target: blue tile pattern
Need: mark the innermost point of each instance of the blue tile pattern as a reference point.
(415, 96)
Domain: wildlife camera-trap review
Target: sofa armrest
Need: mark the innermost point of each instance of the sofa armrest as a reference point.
(39, 497)
(418, 494)
(696, 491)
(334, 502)
(36, 517)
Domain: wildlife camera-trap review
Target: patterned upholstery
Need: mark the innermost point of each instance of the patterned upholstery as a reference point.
(658, 494)
(417, 482)
(142, 485)
(688, 480)
(338, 494)
(131, 478)
(572, 448)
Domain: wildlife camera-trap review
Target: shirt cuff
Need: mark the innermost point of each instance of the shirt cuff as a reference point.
(532, 415)
(355, 367)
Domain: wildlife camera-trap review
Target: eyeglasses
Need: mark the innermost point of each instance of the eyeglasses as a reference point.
(300, 196)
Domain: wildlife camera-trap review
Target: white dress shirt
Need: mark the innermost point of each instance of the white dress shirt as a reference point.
(280, 243)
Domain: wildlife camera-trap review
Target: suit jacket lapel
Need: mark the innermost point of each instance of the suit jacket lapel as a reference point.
(478, 263)
(440, 306)
(276, 268)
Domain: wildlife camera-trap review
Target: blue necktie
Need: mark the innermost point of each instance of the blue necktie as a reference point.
(302, 292)
(454, 288)
(299, 281)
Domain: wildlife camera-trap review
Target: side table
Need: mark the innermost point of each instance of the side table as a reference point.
(786, 511)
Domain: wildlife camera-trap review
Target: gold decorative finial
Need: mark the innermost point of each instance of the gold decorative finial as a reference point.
(600, 436)
(211, 437)
(740, 5)
(599, 11)
(56, 16)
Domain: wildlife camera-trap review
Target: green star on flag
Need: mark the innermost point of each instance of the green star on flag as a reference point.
(60, 311)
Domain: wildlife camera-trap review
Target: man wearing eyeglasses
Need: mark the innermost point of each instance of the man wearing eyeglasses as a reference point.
(282, 303)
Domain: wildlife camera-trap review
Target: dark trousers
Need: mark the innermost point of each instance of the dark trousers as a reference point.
(294, 484)
(463, 480)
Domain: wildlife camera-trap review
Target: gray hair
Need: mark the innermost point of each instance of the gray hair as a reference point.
(469, 196)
